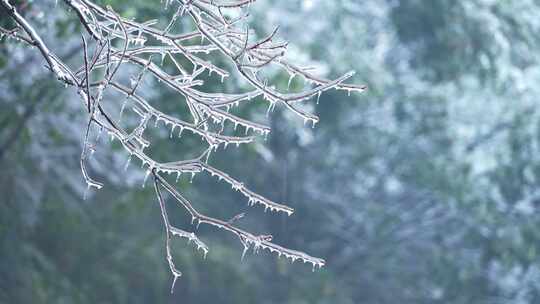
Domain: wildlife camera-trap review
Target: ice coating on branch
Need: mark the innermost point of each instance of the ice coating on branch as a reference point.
(261, 242)
(191, 237)
(177, 61)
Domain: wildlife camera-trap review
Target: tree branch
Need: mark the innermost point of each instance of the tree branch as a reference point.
(209, 112)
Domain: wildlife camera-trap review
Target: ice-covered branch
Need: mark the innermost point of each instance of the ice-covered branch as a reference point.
(247, 239)
(119, 45)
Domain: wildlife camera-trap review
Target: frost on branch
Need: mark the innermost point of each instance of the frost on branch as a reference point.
(117, 42)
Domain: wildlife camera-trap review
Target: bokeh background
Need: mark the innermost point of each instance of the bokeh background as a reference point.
(424, 189)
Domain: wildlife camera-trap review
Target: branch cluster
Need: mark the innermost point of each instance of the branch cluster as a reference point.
(119, 41)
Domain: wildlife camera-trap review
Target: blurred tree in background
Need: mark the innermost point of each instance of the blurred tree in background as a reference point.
(424, 190)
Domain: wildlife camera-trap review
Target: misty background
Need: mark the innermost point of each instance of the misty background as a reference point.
(423, 189)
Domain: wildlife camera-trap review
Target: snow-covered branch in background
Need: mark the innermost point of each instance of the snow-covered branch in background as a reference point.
(117, 41)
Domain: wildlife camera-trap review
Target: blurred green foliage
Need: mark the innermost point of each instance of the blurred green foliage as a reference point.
(423, 190)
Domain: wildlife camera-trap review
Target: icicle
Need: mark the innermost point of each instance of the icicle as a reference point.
(85, 195)
(319, 96)
(122, 109)
(192, 176)
(290, 81)
(268, 110)
(246, 247)
(174, 281)
(172, 131)
(146, 177)
(178, 176)
(127, 163)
